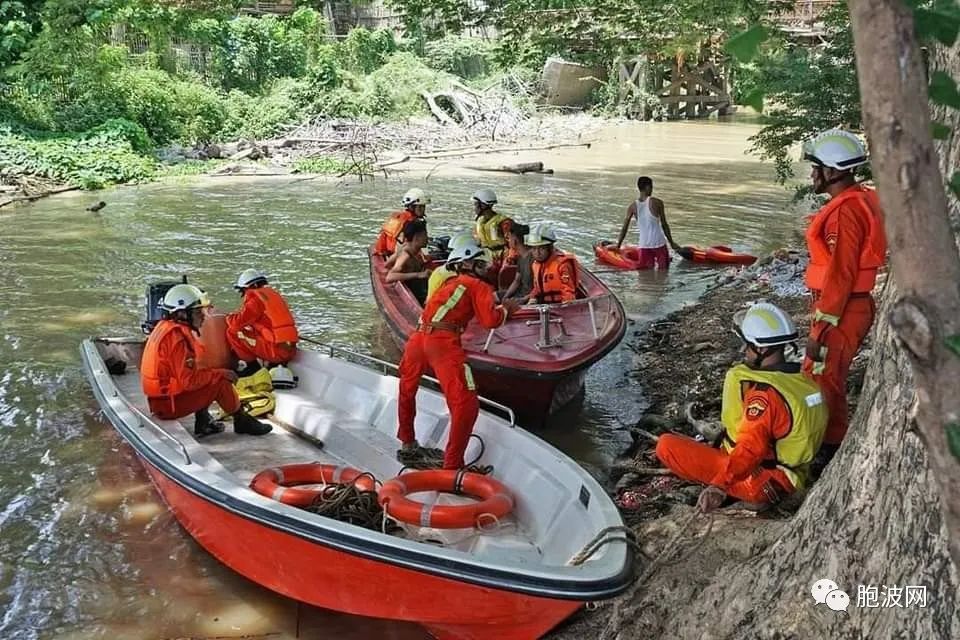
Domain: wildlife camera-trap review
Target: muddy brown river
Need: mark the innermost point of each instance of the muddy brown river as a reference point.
(87, 550)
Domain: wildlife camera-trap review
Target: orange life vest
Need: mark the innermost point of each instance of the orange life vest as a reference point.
(872, 253)
(280, 326)
(393, 227)
(156, 376)
(547, 277)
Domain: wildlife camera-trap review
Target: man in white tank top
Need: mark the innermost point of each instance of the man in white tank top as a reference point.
(653, 232)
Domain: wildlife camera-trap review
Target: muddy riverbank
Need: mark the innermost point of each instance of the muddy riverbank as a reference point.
(680, 359)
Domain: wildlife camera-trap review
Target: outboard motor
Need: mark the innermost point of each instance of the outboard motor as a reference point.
(155, 293)
(438, 248)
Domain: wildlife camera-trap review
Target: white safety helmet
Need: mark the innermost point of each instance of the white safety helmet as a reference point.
(469, 251)
(486, 196)
(460, 240)
(541, 234)
(414, 197)
(764, 325)
(283, 378)
(183, 297)
(837, 149)
(250, 277)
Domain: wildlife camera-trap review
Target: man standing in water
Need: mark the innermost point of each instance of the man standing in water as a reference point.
(653, 232)
(847, 245)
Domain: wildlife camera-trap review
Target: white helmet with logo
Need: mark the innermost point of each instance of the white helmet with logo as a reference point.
(250, 277)
(486, 196)
(183, 297)
(469, 251)
(414, 197)
(765, 325)
(837, 149)
(541, 234)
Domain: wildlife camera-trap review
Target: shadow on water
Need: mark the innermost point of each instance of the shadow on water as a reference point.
(87, 550)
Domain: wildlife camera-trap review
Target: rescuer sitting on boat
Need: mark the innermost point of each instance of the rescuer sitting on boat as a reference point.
(410, 265)
(172, 380)
(773, 416)
(415, 203)
(436, 344)
(554, 272)
(263, 326)
(491, 227)
(520, 256)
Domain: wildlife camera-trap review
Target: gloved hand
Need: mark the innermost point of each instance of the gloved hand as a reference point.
(816, 343)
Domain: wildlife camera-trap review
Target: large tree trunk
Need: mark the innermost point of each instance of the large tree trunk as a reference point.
(874, 519)
(923, 253)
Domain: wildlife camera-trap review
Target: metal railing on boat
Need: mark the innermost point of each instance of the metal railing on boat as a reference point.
(544, 321)
(388, 367)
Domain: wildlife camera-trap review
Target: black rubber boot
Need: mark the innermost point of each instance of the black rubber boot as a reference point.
(243, 422)
(204, 425)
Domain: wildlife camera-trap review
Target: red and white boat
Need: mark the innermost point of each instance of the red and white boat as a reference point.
(512, 581)
(537, 361)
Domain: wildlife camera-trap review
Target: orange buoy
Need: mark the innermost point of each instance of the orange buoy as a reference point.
(281, 483)
(495, 502)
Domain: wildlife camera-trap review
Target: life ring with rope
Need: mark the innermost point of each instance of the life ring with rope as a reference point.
(282, 483)
(495, 500)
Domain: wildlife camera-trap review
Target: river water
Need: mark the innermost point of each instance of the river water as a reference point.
(87, 549)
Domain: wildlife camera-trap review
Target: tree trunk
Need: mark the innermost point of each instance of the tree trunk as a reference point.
(905, 166)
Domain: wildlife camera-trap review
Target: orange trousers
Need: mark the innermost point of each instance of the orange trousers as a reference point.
(699, 462)
(269, 352)
(183, 404)
(440, 351)
(842, 343)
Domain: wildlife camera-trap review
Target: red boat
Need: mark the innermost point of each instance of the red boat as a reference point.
(560, 546)
(717, 254)
(537, 361)
(625, 257)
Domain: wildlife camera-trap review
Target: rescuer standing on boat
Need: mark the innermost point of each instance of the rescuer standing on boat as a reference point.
(263, 326)
(773, 416)
(847, 245)
(436, 344)
(174, 384)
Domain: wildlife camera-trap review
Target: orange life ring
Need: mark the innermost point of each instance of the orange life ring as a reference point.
(280, 483)
(496, 500)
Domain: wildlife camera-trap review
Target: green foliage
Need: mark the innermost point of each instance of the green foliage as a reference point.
(91, 161)
(261, 117)
(322, 164)
(943, 90)
(363, 51)
(807, 90)
(190, 168)
(464, 57)
(745, 45)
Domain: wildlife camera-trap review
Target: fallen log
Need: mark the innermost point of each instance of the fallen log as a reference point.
(435, 109)
(521, 168)
(37, 196)
(390, 163)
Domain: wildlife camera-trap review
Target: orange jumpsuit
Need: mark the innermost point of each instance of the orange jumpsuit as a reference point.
(173, 383)
(436, 344)
(263, 327)
(386, 242)
(847, 245)
(556, 279)
(747, 472)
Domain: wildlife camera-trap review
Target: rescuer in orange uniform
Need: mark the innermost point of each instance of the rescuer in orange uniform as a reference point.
(173, 383)
(773, 416)
(847, 245)
(554, 272)
(415, 203)
(436, 344)
(263, 326)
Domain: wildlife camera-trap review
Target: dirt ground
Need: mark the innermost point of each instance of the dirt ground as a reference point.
(691, 351)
